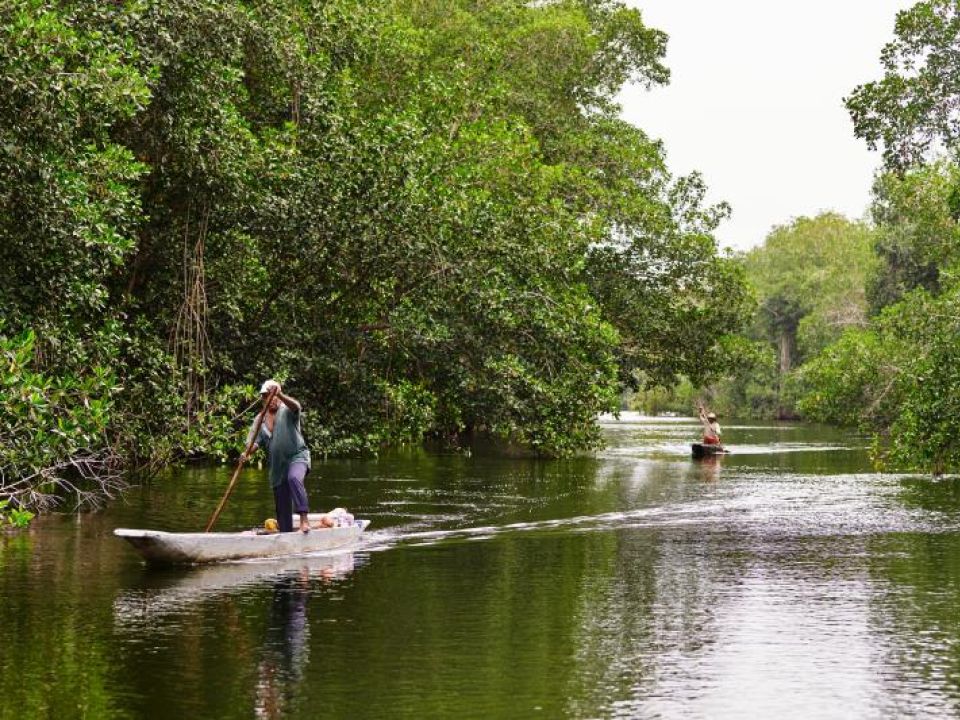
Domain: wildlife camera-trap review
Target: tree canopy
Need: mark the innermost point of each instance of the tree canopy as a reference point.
(426, 217)
(912, 111)
(898, 377)
(810, 277)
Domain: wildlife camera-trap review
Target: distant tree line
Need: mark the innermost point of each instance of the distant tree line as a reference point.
(809, 281)
(859, 323)
(424, 216)
(900, 375)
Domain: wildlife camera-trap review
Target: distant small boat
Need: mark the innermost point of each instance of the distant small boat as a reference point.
(699, 450)
(166, 548)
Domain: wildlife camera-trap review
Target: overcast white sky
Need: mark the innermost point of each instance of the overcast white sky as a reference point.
(755, 103)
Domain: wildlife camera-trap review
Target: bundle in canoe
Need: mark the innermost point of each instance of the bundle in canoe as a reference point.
(700, 450)
(167, 548)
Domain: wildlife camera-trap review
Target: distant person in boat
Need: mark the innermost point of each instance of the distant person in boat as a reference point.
(288, 453)
(711, 428)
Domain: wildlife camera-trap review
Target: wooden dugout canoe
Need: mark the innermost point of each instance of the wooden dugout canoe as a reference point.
(167, 548)
(699, 450)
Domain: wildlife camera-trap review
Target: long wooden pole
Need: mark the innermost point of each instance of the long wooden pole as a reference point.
(236, 473)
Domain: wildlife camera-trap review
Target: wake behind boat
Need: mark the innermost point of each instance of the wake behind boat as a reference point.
(167, 548)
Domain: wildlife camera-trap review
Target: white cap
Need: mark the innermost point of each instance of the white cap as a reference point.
(268, 385)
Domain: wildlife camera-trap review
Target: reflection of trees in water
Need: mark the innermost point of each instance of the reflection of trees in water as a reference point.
(937, 495)
(914, 620)
(674, 622)
(650, 600)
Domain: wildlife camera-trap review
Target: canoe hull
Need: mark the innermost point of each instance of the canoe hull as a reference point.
(166, 548)
(699, 450)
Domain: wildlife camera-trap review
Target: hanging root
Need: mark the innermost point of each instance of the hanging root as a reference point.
(189, 341)
(88, 480)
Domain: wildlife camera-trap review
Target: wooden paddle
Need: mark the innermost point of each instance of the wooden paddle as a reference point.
(236, 473)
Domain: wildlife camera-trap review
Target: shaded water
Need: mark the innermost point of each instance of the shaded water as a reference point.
(784, 580)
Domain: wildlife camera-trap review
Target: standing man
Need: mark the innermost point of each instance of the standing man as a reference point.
(711, 428)
(288, 453)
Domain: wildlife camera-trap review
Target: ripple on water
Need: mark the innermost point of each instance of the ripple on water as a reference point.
(788, 583)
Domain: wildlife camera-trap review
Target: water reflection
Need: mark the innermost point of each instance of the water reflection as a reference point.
(165, 592)
(938, 495)
(708, 467)
(691, 624)
(285, 649)
(790, 581)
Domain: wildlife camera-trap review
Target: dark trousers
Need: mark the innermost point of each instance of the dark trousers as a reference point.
(291, 493)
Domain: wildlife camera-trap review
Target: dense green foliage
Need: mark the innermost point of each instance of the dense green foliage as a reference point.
(426, 217)
(899, 378)
(13, 516)
(918, 240)
(808, 279)
(912, 112)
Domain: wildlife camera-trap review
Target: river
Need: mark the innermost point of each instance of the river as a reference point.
(785, 580)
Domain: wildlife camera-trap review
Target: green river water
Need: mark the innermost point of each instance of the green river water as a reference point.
(786, 580)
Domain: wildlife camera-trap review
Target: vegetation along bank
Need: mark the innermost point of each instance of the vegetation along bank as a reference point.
(425, 216)
(857, 323)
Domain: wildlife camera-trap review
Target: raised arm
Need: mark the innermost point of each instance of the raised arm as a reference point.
(702, 415)
(289, 401)
(285, 399)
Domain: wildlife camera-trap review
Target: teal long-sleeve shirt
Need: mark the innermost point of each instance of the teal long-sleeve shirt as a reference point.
(284, 446)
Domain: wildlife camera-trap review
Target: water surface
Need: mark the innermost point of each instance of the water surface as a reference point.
(785, 580)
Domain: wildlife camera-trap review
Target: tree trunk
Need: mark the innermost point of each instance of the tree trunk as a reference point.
(787, 344)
